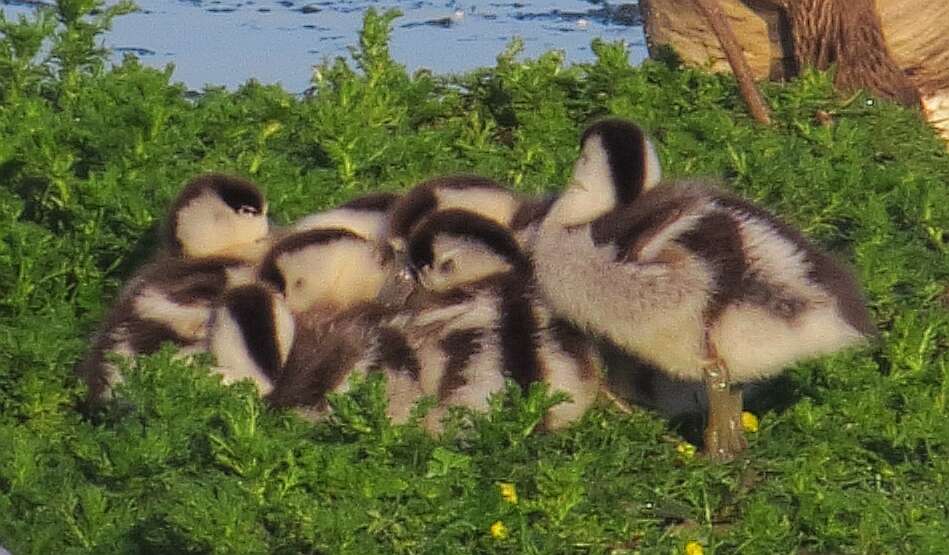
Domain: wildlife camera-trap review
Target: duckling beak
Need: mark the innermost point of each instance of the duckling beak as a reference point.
(400, 284)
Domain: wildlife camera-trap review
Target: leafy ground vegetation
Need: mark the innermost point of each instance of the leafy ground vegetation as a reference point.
(856, 461)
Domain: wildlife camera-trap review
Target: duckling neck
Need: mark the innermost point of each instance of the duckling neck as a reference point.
(575, 207)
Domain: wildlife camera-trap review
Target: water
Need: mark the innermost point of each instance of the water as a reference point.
(226, 42)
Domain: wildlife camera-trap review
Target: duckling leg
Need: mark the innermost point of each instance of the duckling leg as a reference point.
(607, 394)
(724, 437)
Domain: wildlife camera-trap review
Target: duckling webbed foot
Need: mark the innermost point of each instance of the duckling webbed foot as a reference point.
(724, 437)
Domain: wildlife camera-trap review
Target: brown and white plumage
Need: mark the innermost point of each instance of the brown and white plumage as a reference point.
(477, 320)
(213, 232)
(366, 216)
(704, 285)
(317, 304)
(476, 194)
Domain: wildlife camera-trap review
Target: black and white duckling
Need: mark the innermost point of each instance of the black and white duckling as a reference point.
(704, 285)
(216, 227)
(311, 322)
(480, 195)
(366, 216)
(477, 320)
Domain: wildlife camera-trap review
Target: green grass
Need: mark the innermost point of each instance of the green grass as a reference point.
(91, 154)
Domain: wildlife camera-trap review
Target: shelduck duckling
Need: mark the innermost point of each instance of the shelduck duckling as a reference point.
(366, 216)
(215, 229)
(704, 285)
(479, 320)
(311, 322)
(480, 195)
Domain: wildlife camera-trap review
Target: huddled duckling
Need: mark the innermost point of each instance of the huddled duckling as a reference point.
(480, 195)
(217, 227)
(366, 216)
(704, 285)
(477, 320)
(311, 322)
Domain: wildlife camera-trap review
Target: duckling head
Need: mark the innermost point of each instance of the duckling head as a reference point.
(617, 163)
(365, 216)
(453, 248)
(476, 194)
(215, 214)
(325, 269)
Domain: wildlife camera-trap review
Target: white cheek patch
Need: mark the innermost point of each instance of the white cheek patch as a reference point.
(496, 205)
(472, 262)
(207, 226)
(339, 274)
(653, 171)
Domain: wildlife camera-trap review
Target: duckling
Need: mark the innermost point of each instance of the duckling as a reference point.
(366, 216)
(704, 285)
(480, 320)
(477, 194)
(314, 322)
(216, 227)
(250, 334)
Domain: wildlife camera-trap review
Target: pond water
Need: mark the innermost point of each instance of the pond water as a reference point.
(226, 42)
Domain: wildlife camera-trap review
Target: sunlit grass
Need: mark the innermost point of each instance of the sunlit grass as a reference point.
(90, 155)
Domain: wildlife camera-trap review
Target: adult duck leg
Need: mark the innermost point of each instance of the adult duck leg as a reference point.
(724, 437)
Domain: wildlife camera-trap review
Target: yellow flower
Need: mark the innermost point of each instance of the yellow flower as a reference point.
(694, 548)
(508, 492)
(687, 450)
(498, 530)
(749, 422)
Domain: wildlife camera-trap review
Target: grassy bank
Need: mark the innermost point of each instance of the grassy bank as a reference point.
(90, 155)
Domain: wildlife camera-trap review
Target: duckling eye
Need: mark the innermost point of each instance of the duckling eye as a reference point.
(298, 283)
(247, 209)
(447, 266)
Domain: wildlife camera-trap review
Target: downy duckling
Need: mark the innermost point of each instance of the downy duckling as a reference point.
(366, 216)
(311, 322)
(478, 320)
(480, 195)
(213, 232)
(704, 285)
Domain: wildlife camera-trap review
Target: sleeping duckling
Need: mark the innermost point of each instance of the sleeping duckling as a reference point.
(704, 285)
(216, 228)
(366, 216)
(478, 320)
(480, 195)
(313, 321)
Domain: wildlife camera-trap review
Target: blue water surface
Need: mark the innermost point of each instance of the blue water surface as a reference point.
(227, 42)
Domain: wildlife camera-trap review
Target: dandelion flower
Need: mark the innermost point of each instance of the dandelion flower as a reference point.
(694, 548)
(749, 422)
(498, 530)
(508, 492)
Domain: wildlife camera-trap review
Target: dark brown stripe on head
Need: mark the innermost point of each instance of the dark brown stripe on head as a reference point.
(532, 211)
(252, 307)
(373, 202)
(270, 273)
(458, 346)
(625, 146)
(466, 225)
(422, 200)
(234, 191)
(717, 240)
